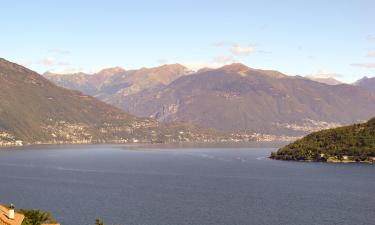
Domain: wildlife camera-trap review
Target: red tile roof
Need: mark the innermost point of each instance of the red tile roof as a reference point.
(4, 217)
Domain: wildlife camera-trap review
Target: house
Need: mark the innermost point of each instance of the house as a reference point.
(19, 143)
(9, 217)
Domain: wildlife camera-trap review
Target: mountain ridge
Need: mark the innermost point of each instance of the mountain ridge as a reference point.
(34, 110)
(231, 92)
(120, 81)
(238, 98)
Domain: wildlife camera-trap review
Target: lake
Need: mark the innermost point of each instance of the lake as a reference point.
(132, 185)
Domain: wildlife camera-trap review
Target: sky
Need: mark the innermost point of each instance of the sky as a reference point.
(325, 38)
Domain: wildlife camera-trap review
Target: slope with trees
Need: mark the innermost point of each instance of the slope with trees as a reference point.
(350, 143)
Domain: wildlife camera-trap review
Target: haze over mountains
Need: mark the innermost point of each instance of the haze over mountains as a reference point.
(367, 83)
(325, 80)
(117, 81)
(234, 98)
(34, 110)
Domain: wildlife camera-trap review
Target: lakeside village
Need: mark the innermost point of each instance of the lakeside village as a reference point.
(62, 132)
(8, 140)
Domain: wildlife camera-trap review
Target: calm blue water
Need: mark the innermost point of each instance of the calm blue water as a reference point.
(175, 186)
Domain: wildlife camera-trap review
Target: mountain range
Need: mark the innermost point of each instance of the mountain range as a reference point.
(234, 98)
(117, 81)
(34, 110)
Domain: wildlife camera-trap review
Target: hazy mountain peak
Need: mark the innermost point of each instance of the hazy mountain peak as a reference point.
(49, 74)
(362, 79)
(204, 69)
(116, 80)
(163, 68)
(235, 67)
(112, 71)
(162, 75)
(171, 67)
(174, 65)
(271, 73)
(244, 71)
(366, 82)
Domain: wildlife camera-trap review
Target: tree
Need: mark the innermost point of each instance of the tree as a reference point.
(36, 217)
(99, 222)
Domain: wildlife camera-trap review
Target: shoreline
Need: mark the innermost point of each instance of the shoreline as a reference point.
(244, 144)
(330, 161)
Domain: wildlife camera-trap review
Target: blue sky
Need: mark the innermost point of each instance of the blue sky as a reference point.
(333, 38)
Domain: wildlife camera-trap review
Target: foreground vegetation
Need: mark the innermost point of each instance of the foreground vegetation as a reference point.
(355, 143)
(36, 217)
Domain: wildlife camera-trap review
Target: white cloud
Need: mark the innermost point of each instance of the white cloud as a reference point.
(26, 63)
(68, 70)
(162, 61)
(311, 57)
(222, 44)
(234, 49)
(216, 62)
(323, 74)
(371, 54)
(371, 37)
(263, 52)
(51, 61)
(223, 59)
(238, 50)
(59, 51)
(364, 65)
(48, 61)
(195, 66)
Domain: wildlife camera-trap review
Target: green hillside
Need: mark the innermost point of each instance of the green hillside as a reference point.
(349, 143)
